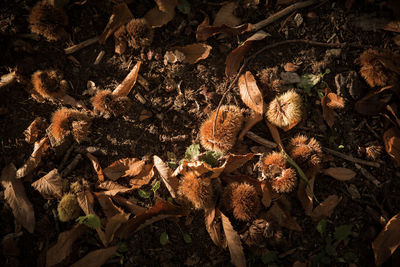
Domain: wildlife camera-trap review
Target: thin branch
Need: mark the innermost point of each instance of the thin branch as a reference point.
(260, 140)
(350, 158)
(77, 47)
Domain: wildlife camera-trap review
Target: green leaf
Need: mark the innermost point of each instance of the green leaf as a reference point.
(187, 238)
(269, 257)
(184, 6)
(155, 187)
(308, 81)
(342, 232)
(321, 226)
(192, 151)
(211, 158)
(341, 146)
(164, 238)
(123, 247)
(350, 256)
(143, 194)
(90, 220)
(329, 248)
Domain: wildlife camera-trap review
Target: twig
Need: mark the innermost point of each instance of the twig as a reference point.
(77, 47)
(297, 167)
(368, 175)
(350, 158)
(283, 12)
(7, 79)
(72, 165)
(260, 140)
(99, 57)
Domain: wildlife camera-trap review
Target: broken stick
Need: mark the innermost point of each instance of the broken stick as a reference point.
(77, 47)
(260, 140)
(350, 158)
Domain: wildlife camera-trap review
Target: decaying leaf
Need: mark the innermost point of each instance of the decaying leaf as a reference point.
(37, 127)
(120, 16)
(57, 253)
(109, 208)
(143, 177)
(234, 243)
(326, 208)
(166, 174)
(163, 13)
(205, 30)
(86, 200)
(275, 134)
(393, 26)
(50, 185)
(373, 103)
(234, 162)
(96, 258)
(266, 190)
(132, 207)
(36, 157)
(250, 93)
(225, 15)
(212, 227)
(127, 167)
(282, 217)
(250, 121)
(305, 193)
(327, 112)
(391, 139)
(193, 53)
(15, 196)
(113, 224)
(334, 101)
(387, 241)
(341, 174)
(234, 59)
(161, 210)
(96, 166)
(127, 84)
(112, 188)
(199, 168)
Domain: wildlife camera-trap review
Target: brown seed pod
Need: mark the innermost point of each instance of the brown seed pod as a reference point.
(275, 168)
(242, 199)
(68, 208)
(229, 123)
(70, 121)
(306, 152)
(198, 191)
(48, 21)
(49, 84)
(107, 103)
(285, 110)
(137, 32)
(270, 82)
(262, 233)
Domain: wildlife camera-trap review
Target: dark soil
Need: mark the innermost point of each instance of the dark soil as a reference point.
(177, 115)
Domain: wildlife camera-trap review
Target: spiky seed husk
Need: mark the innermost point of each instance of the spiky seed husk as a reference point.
(107, 103)
(49, 84)
(68, 208)
(140, 33)
(285, 110)
(229, 123)
(197, 190)
(306, 152)
(70, 121)
(373, 152)
(48, 21)
(242, 199)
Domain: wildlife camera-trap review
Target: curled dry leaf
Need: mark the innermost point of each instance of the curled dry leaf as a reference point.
(169, 179)
(225, 15)
(234, 162)
(199, 168)
(193, 52)
(57, 253)
(161, 210)
(37, 127)
(327, 112)
(391, 139)
(305, 193)
(234, 243)
(250, 93)
(387, 241)
(96, 166)
(109, 208)
(112, 188)
(120, 16)
(325, 209)
(15, 196)
(341, 174)
(266, 190)
(393, 26)
(234, 59)
(282, 217)
(96, 258)
(291, 67)
(275, 134)
(127, 167)
(50, 185)
(113, 224)
(163, 13)
(205, 30)
(212, 227)
(132, 207)
(143, 177)
(36, 157)
(127, 84)
(334, 101)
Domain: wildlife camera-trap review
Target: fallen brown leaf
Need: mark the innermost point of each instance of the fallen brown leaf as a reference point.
(291, 67)
(163, 13)
(193, 52)
(50, 185)
(113, 224)
(57, 253)
(250, 121)
(112, 188)
(212, 227)
(34, 160)
(96, 258)
(225, 15)
(37, 127)
(326, 208)
(250, 93)
(170, 180)
(334, 101)
(234, 243)
(124, 88)
(127, 167)
(391, 138)
(373, 103)
(275, 134)
(132, 207)
(108, 207)
(15, 196)
(234, 162)
(341, 174)
(143, 177)
(96, 166)
(266, 189)
(120, 16)
(234, 59)
(199, 168)
(282, 217)
(305, 193)
(393, 26)
(327, 112)
(86, 200)
(387, 241)
(205, 30)
(161, 210)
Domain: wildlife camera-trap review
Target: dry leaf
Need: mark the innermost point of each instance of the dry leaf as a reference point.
(291, 67)
(96, 166)
(163, 13)
(212, 227)
(37, 127)
(325, 209)
(250, 93)
(282, 217)
(205, 30)
(266, 189)
(327, 113)
(234, 162)
(120, 16)
(57, 253)
(199, 168)
(96, 258)
(334, 101)
(372, 103)
(393, 26)
(36, 157)
(391, 139)
(86, 201)
(170, 180)
(132, 207)
(127, 84)
(250, 121)
(112, 188)
(225, 15)
(234, 243)
(143, 177)
(234, 59)
(341, 174)
(113, 224)
(387, 241)
(193, 52)
(50, 185)
(126, 167)
(275, 134)
(15, 196)
(305, 193)
(107, 205)
(161, 210)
